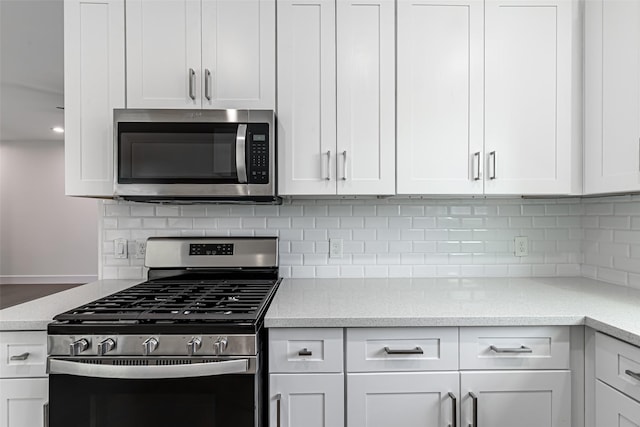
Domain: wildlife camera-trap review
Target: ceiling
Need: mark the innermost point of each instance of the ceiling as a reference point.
(31, 70)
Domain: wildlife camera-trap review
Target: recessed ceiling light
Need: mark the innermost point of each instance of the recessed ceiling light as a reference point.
(58, 129)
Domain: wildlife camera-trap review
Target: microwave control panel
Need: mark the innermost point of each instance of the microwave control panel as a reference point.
(258, 170)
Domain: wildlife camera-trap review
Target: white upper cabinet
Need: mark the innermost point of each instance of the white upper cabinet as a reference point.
(488, 97)
(306, 97)
(440, 104)
(612, 96)
(530, 100)
(201, 53)
(366, 97)
(94, 83)
(336, 97)
(238, 54)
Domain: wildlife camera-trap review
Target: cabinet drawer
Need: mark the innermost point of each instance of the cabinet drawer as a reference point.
(514, 347)
(402, 349)
(305, 350)
(618, 364)
(23, 354)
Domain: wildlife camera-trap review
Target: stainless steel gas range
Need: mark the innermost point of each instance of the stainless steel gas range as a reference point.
(186, 347)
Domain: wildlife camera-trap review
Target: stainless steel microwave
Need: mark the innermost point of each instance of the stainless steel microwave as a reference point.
(195, 156)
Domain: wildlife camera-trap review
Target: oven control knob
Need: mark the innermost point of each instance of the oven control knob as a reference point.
(106, 346)
(220, 345)
(194, 345)
(77, 347)
(149, 346)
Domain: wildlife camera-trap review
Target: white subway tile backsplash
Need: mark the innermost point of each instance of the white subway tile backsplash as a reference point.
(405, 237)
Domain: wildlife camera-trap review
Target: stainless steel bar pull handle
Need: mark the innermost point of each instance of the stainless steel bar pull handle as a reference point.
(278, 410)
(241, 153)
(476, 172)
(22, 356)
(207, 84)
(521, 349)
(454, 412)
(45, 414)
(492, 159)
(634, 375)
(474, 415)
(305, 352)
(328, 176)
(192, 84)
(416, 350)
(344, 165)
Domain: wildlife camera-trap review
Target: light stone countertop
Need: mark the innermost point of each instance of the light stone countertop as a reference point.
(611, 309)
(36, 314)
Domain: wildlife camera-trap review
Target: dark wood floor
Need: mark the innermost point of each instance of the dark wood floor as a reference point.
(17, 294)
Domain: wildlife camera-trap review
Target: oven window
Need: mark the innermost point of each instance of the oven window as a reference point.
(217, 401)
(177, 153)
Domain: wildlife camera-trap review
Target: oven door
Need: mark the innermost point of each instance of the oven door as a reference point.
(126, 393)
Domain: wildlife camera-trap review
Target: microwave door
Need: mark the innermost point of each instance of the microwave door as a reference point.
(241, 153)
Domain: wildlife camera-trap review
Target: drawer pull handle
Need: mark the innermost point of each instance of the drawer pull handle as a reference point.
(305, 352)
(634, 375)
(278, 409)
(22, 356)
(474, 400)
(454, 412)
(416, 350)
(521, 349)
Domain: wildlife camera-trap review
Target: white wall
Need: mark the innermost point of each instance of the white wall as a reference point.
(45, 237)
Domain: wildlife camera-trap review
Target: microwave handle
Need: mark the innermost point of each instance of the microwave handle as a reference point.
(241, 153)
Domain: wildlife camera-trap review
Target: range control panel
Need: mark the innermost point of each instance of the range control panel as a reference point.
(211, 249)
(258, 170)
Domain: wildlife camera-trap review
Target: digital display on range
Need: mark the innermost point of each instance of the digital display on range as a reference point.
(211, 249)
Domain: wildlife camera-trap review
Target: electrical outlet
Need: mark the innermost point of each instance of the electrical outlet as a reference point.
(521, 244)
(120, 249)
(141, 248)
(335, 248)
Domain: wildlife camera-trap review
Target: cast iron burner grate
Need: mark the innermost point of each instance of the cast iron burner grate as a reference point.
(176, 301)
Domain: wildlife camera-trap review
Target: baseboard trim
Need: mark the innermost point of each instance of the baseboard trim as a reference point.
(46, 280)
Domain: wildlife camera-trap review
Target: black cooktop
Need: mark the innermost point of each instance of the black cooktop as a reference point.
(167, 304)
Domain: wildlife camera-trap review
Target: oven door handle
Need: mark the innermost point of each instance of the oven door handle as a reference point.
(241, 153)
(80, 369)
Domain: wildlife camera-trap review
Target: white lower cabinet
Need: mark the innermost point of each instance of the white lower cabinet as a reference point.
(306, 400)
(407, 399)
(614, 409)
(430, 376)
(516, 398)
(22, 401)
(24, 386)
(617, 382)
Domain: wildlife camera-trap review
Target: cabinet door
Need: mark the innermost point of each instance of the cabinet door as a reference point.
(22, 402)
(614, 409)
(528, 96)
(440, 96)
(306, 97)
(517, 398)
(94, 85)
(306, 400)
(612, 96)
(366, 96)
(239, 54)
(163, 54)
(408, 399)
